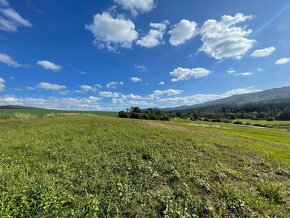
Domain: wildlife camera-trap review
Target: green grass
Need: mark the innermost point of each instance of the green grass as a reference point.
(44, 112)
(273, 124)
(93, 166)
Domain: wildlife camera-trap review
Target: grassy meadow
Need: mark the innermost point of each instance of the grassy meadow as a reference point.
(272, 124)
(98, 166)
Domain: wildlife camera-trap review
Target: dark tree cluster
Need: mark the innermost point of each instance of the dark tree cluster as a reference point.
(255, 111)
(147, 114)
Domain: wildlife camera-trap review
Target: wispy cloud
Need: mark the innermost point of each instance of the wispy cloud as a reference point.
(12, 20)
(2, 84)
(6, 59)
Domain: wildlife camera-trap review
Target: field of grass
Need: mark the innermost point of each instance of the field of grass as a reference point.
(273, 124)
(97, 166)
(44, 112)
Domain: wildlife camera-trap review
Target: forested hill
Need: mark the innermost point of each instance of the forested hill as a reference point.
(267, 96)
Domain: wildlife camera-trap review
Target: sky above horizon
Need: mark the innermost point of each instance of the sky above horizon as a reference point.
(111, 55)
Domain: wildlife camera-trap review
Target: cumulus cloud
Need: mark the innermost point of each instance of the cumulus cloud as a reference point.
(282, 61)
(88, 88)
(179, 73)
(12, 20)
(47, 65)
(223, 39)
(89, 103)
(136, 6)
(109, 94)
(110, 32)
(168, 92)
(263, 52)
(2, 84)
(6, 59)
(182, 31)
(114, 85)
(50, 86)
(161, 83)
(136, 79)
(155, 35)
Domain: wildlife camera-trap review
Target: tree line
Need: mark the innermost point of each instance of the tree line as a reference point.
(146, 114)
(255, 111)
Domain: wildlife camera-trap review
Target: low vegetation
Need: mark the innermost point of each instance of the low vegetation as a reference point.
(93, 166)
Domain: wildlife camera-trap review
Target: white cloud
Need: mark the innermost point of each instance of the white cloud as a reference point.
(89, 103)
(282, 61)
(29, 88)
(263, 52)
(12, 21)
(140, 68)
(88, 88)
(246, 74)
(112, 32)
(168, 92)
(131, 97)
(109, 94)
(224, 39)
(240, 91)
(47, 65)
(114, 85)
(182, 32)
(2, 84)
(161, 83)
(15, 17)
(4, 3)
(50, 86)
(136, 79)
(202, 98)
(185, 73)
(155, 35)
(6, 59)
(136, 6)
(231, 71)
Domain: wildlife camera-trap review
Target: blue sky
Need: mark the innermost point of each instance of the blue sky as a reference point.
(113, 54)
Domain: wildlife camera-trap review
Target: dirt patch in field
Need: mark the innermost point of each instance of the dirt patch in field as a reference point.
(208, 126)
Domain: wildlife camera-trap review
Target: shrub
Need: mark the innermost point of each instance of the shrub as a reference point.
(238, 122)
(270, 118)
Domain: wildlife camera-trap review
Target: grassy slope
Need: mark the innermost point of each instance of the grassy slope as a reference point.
(273, 124)
(100, 166)
(43, 112)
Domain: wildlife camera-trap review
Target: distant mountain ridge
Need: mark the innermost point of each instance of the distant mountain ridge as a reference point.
(18, 107)
(270, 95)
